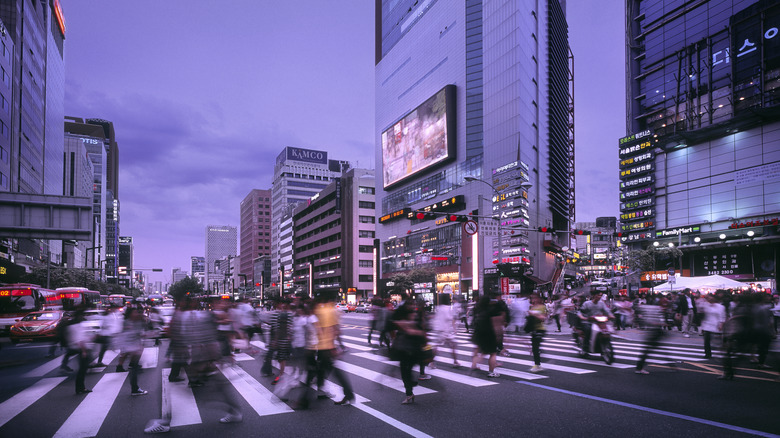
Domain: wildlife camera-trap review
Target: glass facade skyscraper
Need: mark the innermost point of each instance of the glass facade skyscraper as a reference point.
(700, 164)
(478, 90)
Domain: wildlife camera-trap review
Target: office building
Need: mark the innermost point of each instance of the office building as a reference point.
(78, 181)
(255, 230)
(700, 164)
(221, 241)
(333, 236)
(478, 90)
(32, 34)
(299, 174)
(125, 257)
(198, 268)
(177, 275)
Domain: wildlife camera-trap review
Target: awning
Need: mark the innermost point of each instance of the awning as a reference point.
(550, 245)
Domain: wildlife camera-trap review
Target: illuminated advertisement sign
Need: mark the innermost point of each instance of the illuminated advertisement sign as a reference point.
(644, 191)
(677, 231)
(394, 215)
(516, 193)
(732, 262)
(636, 237)
(455, 203)
(644, 168)
(633, 205)
(421, 140)
(634, 149)
(634, 137)
(647, 156)
(637, 226)
(637, 182)
(637, 215)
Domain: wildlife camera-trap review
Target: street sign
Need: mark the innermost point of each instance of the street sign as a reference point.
(470, 227)
(505, 285)
(671, 272)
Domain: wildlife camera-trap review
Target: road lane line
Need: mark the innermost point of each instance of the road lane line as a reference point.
(391, 421)
(21, 401)
(107, 358)
(263, 401)
(178, 402)
(654, 411)
(45, 368)
(447, 375)
(382, 379)
(86, 420)
(241, 357)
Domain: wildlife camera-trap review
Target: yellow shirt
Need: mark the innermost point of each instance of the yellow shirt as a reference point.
(327, 326)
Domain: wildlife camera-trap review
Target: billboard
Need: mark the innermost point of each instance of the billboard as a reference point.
(299, 154)
(420, 140)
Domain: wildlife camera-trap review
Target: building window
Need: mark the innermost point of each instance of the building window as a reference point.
(365, 278)
(366, 204)
(366, 263)
(366, 219)
(366, 190)
(366, 233)
(365, 248)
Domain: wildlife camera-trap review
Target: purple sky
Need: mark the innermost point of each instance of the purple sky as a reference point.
(204, 95)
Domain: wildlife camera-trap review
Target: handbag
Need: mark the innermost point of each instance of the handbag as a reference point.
(427, 354)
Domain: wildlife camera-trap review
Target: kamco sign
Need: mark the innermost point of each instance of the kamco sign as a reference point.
(308, 155)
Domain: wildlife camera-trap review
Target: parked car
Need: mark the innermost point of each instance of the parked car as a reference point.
(351, 307)
(363, 308)
(342, 307)
(37, 326)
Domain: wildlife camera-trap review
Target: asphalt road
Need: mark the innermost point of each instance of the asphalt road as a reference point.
(573, 397)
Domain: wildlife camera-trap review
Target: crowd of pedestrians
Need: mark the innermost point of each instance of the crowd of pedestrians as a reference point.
(303, 336)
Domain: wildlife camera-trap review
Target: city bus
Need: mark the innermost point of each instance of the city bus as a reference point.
(74, 297)
(114, 300)
(17, 300)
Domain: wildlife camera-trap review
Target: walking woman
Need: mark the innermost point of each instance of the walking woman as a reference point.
(484, 337)
(407, 345)
(538, 312)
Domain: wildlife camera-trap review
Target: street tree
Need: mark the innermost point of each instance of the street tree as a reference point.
(185, 286)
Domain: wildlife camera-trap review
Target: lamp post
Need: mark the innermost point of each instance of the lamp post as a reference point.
(525, 185)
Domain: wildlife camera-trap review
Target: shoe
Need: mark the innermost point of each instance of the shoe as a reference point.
(456, 365)
(494, 374)
(642, 371)
(139, 391)
(536, 369)
(100, 364)
(195, 384)
(686, 335)
(157, 427)
(67, 369)
(83, 391)
(120, 369)
(324, 394)
(707, 356)
(408, 400)
(345, 401)
(231, 418)
(276, 380)
(473, 370)
(175, 379)
(424, 377)
(505, 353)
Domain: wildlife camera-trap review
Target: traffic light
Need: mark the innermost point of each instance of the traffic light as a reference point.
(546, 230)
(617, 234)
(424, 215)
(577, 232)
(458, 218)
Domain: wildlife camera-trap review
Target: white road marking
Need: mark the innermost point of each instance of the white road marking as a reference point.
(263, 401)
(178, 402)
(21, 401)
(89, 416)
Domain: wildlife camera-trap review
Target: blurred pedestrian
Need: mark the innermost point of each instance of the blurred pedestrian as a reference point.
(712, 323)
(652, 317)
(110, 327)
(445, 327)
(537, 311)
(328, 329)
(133, 331)
(484, 337)
(281, 336)
(80, 342)
(407, 345)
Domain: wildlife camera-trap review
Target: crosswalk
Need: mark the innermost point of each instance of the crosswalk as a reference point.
(181, 408)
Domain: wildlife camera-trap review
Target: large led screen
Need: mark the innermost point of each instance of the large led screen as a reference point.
(421, 140)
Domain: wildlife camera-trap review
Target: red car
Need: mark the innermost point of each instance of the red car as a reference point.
(37, 326)
(351, 307)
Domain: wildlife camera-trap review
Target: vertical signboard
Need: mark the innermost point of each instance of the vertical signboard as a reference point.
(637, 186)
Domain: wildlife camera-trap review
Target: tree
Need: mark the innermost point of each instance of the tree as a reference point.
(422, 275)
(402, 283)
(186, 285)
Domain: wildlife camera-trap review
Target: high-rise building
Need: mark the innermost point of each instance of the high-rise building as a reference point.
(177, 275)
(478, 91)
(91, 137)
(125, 253)
(255, 230)
(333, 237)
(299, 174)
(700, 165)
(198, 268)
(78, 181)
(221, 241)
(32, 102)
